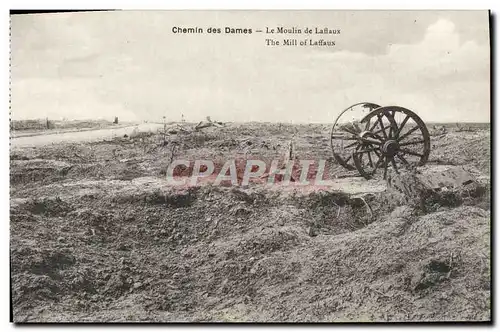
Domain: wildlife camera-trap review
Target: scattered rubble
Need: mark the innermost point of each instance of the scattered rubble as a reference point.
(208, 123)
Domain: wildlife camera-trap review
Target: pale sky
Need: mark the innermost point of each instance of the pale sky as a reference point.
(129, 64)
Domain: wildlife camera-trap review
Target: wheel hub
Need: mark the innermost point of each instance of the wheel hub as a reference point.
(390, 148)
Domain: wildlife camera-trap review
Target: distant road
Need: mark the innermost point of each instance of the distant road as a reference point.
(80, 136)
(26, 133)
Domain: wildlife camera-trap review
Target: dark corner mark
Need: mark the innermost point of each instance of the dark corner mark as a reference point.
(54, 11)
(11, 303)
(492, 20)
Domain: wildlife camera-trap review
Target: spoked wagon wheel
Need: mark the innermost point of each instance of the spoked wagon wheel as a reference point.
(344, 137)
(395, 138)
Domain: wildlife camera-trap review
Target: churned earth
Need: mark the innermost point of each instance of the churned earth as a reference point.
(97, 234)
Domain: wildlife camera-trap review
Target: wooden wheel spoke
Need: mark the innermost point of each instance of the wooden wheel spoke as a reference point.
(373, 127)
(371, 141)
(411, 152)
(379, 162)
(366, 151)
(403, 159)
(382, 126)
(370, 159)
(383, 129)
(393, 127)
(412, 143)
(350, 145)
(379, 138)
(386, 164)
(408, 133)
(402, 125)
(393, 162)
(367, 125)
(351, 154)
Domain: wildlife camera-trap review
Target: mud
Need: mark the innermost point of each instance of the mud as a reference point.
(96, 235)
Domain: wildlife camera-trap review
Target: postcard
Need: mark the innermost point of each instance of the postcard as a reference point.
(319, 166)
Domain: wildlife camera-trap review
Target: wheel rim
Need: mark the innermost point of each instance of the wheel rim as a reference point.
(344, 140)
(404, 142)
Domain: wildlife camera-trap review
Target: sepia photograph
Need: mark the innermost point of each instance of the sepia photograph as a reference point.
(250, 166)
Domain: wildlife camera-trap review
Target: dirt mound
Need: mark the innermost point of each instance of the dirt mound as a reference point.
(440, 188)
(47, 207)
(37, 170)
(222, 254)
(472, 148)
